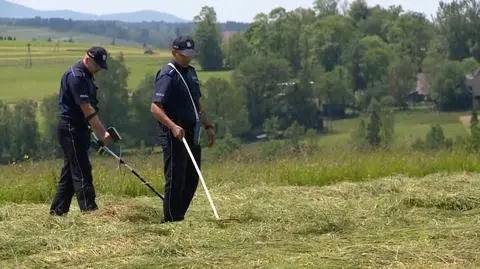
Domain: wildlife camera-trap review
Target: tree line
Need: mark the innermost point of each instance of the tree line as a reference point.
(8, 38)
(308, 62)
(156, 34)
(361, 52)
(291, 71)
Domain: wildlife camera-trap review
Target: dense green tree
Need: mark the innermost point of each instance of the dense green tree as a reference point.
(113, 94)
(259, 78)
(236, 49)
(24, 130)
(208, 39)
(144, 126)
(227, 107)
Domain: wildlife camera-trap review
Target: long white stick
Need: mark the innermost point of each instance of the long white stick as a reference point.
(201, 178)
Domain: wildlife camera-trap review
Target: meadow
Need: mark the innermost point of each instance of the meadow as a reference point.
(49, 63)
(328, 206)
(332, 207)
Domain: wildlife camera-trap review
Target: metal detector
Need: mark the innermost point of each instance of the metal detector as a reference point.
(100, 147)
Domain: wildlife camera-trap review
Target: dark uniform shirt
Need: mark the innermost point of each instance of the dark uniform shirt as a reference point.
(170, 91)
(77, 87)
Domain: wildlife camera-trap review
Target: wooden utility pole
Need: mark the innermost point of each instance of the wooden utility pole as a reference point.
(56, 47)
(29, 54)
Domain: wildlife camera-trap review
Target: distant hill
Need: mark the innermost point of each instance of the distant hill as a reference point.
(143, 15)
(12, 10)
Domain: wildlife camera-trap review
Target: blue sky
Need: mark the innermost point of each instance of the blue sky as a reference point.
(239, 10)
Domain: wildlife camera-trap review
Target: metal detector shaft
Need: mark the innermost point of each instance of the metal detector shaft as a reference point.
(201, 178)
(133, 171)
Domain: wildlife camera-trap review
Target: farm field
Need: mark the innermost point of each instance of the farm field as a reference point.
(49, 63)
(333, 207)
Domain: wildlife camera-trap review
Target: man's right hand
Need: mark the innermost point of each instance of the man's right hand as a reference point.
(178, 131)
(160, 115)
(107, 139)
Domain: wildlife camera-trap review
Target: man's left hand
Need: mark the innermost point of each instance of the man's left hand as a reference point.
(211, 136)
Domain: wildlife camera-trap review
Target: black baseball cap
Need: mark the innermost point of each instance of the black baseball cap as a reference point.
(185, 45)
(99, 55)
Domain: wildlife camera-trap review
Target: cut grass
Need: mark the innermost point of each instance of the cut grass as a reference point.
(393, 222)
(417, 210)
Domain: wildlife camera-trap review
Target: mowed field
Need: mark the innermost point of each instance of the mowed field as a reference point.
(330, 208)
(49, 62)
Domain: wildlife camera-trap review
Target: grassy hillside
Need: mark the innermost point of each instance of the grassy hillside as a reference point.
(409, 125)
(331, 206)
(49, 63)
(331, 159)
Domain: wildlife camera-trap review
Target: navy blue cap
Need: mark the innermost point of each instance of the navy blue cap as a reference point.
(185, 45)
(99, 55)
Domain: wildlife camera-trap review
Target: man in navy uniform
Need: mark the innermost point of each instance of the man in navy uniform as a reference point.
(177, 107)
(78, 112)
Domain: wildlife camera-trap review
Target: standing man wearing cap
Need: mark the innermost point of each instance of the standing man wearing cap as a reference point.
(177, 107)
(78, 110)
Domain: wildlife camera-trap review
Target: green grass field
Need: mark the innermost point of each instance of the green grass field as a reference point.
(333, 207)
(410, 125)
(327, 207)
(48, 66)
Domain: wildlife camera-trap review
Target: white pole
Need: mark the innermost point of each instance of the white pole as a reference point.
(201, 178)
